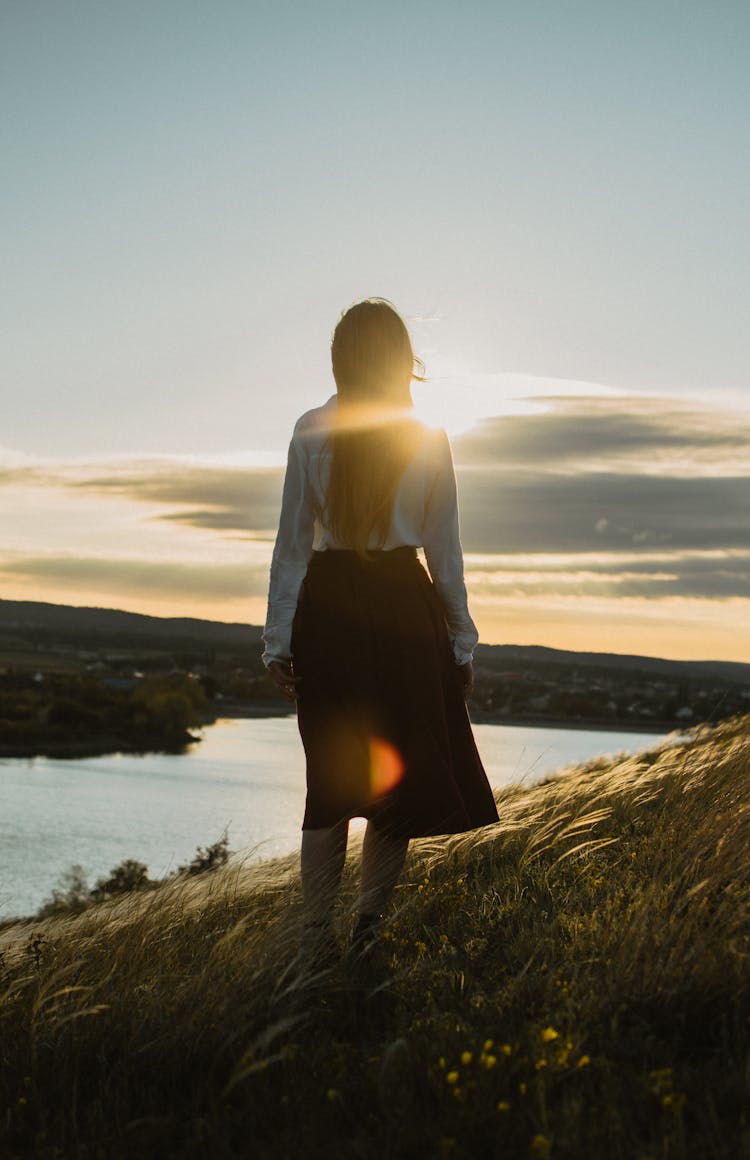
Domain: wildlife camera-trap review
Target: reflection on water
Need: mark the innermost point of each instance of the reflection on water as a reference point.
(246, 775)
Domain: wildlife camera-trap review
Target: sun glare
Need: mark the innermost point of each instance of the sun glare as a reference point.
(459, 401)
(442, 404)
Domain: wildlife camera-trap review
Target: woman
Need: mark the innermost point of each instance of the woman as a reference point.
(377, 656)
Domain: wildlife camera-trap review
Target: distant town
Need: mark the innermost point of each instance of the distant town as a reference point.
(85, 681)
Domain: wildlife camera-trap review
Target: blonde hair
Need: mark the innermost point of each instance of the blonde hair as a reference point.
(375, 434)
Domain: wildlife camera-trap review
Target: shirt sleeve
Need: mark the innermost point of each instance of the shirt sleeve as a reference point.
(442, 547)
(291, 554)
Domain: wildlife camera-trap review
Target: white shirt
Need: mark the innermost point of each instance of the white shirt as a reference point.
(424, 514)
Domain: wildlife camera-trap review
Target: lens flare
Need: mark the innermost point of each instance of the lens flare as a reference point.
(386, 766)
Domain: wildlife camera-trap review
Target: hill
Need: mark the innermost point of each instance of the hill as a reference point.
(623, 662)
(97, 627)
(75, 647)
(91, 627)
(571, 982)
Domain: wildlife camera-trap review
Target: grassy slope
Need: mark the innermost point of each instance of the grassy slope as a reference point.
(573, 982)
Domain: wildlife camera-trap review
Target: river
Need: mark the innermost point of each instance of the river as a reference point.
(246, 776)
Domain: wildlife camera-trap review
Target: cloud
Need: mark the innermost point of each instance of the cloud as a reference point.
(156, 577)
(546, 512)
(708, 576)
(579, 433)
(524, 483)
(225, 499)
(657, 495)
(11, 461)
(12, 474)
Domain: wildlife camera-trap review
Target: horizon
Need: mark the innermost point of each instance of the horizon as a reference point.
(192, 199)
(482, 643)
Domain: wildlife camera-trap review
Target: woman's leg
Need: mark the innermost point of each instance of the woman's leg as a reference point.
(382, 862)
(323, 853)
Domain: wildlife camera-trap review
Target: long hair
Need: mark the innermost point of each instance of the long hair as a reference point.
(374, 435)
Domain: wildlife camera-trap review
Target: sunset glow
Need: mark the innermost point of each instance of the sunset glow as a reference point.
(457, 409)
(179, 250)
(588, 522)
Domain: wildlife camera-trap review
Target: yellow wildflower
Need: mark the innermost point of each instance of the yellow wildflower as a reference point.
(503, 1106)
(549, 1034)
(506, 1048)
(488, 1045)
(487, 1061)
(540, 1147)
(584, 1061)
(465, 1058)
(452, 1077)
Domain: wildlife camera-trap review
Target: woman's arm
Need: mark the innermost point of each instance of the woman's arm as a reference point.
(442, 547)
(291, 554)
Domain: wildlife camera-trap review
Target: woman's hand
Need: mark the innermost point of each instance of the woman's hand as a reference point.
(467, 677)
(282, 675)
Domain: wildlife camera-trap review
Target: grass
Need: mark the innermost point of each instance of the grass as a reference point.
(573, 982)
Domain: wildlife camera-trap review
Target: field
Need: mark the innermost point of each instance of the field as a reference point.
(573, 982)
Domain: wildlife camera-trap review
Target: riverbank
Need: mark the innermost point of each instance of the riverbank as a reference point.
(246, 775)
(108, 744)
(593, 724)
(480, 716)
(73, 715)
(574, 981)
(93, 747)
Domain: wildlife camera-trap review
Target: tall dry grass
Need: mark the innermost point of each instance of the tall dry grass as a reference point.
(571, 982)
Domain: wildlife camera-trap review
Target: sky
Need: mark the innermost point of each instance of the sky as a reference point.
(554, 196)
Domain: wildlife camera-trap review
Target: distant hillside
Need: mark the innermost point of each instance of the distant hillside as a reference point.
(655, 666)
(97, 627)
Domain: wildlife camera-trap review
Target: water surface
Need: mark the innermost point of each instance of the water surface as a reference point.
(246, 776)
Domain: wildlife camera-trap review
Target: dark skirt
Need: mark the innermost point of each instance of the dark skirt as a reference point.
(380, 705)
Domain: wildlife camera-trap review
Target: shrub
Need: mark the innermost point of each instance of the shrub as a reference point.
(72, 893)
(209, 858)
(129, 875)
